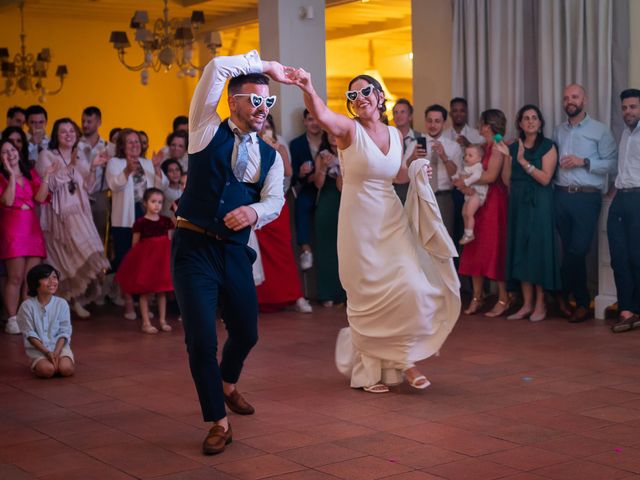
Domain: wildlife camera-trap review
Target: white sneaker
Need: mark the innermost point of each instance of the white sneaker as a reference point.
(80, 311)
(130, 315)
(12, 326)
(306, 260)
(303, 306)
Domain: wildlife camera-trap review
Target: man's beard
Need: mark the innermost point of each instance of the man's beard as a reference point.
(578, 110)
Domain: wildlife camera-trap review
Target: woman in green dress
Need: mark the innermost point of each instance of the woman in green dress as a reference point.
(328, 181)
(531, 253)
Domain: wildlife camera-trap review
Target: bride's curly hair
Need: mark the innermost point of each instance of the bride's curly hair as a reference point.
(382, 107)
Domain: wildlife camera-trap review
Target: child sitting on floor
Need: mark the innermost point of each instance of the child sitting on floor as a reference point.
(45, 324)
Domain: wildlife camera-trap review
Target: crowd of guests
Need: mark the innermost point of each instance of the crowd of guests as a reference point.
(93, 207)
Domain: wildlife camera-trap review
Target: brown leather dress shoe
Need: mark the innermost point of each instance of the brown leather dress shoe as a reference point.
(216, 440)
(238, 404)
(581, 314)
(626, 324)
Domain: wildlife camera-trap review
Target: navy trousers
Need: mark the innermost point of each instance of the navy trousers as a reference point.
(304, 207)
(623, 230)
(576, 220)
(207, 274)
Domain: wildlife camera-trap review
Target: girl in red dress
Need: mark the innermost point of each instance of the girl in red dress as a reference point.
(146, 267)
(486, 255)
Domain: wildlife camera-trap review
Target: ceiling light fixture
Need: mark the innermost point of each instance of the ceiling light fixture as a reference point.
(26, 72)
(169, 43)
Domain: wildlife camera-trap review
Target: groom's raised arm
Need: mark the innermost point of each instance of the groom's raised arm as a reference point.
(203, 117)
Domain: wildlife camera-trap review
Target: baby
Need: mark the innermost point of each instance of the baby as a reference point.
(472, 172)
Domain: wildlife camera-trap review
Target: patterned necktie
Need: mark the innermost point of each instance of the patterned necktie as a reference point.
(242, 158)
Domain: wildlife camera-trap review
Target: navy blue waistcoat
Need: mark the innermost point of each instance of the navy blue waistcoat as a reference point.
(212, 189)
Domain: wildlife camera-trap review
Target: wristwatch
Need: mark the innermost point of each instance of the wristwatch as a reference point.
(587, 163)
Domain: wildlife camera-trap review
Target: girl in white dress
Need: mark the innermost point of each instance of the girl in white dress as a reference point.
(397, 314)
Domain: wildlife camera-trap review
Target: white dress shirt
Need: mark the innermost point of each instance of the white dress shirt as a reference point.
(454, 154)
(86, 154)
(204, 122)
(629, 159)
(123, 209)
(470, 133)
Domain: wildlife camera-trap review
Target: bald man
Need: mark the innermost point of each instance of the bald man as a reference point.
(588, 153)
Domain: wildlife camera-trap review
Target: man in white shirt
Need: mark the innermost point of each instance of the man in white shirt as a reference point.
(623, 224)
(460, 131)
(403, 120)
(235, 183)
(89, 146)
(445, 156)
(37, 136)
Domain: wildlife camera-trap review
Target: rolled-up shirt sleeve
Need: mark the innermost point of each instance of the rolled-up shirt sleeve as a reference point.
(26, 321)
(271, 195)
(64, 323)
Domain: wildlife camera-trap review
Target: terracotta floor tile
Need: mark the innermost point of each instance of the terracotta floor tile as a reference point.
(577, 446)
(471, 469)
(259, 467)
(623, 434)
(142, 460)
(281, 441)
(622, 458)
(364, 468)
(321, 454)
(503, 399)
(582, 470)
(527, 458)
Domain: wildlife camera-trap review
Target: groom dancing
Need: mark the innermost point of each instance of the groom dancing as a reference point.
(235, 182)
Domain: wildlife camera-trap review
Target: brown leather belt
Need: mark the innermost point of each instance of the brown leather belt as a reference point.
(187, 225)
(577, 189)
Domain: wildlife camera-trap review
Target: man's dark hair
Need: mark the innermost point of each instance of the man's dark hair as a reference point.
(404, 101)
(36, 274)
(13, 110)
(114, 131)
(178, 134)
(92, 111)
(437, 108)
(236, 83)
(36, 110)
(180, 120)
(458, 100)
(305, 114)
(630, 93)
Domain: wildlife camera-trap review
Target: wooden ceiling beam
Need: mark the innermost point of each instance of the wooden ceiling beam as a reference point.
(369, 28)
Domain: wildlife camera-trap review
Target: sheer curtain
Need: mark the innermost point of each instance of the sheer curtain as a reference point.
(510, 52)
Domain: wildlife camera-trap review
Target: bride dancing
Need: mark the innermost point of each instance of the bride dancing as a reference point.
(402, 300)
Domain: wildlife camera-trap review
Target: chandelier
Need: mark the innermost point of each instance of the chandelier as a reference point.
(27, 72)
(169, 43)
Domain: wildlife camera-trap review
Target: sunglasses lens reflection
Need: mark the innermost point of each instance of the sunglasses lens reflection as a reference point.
(270, 101)
(256, 100)
(352, 95)
(366, 91)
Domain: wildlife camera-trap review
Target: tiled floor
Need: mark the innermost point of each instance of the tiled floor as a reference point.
(509, 399)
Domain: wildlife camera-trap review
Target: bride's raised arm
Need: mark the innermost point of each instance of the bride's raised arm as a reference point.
(342, 127)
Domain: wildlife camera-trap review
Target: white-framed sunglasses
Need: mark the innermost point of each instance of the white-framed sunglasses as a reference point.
(352, 95)
(256, 100)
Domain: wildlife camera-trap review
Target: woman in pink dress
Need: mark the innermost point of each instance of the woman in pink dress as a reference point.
(485, 257)
(73, 244)
(21, 241)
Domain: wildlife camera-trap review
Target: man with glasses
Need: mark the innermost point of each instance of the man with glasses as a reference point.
(235, 183)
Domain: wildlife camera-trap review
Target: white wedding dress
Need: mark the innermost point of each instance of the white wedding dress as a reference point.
(402, 288)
